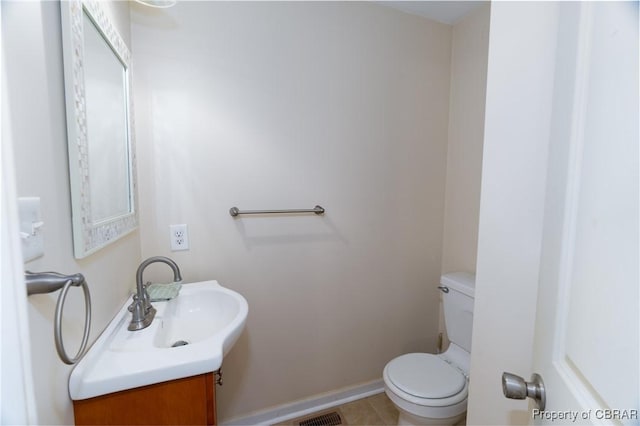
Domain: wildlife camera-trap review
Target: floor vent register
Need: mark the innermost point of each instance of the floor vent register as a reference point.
(329, 419)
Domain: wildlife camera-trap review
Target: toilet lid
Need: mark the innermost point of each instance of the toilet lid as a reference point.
(425, 376)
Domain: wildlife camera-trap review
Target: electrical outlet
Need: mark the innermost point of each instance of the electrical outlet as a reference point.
(179, 237)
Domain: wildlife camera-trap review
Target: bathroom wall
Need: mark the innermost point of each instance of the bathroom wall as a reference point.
(288, 105)
(469, 45)
(470, 42)
(32, 63)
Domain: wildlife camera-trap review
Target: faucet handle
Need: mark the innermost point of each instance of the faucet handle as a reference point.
(140, 318)
(133, 304)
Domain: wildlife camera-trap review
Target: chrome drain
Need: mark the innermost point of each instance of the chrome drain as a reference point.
(179, 343)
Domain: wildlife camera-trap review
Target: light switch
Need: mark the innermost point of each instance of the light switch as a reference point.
(31, 228)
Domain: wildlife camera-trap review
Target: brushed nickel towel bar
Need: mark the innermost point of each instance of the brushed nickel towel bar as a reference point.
(234, 211)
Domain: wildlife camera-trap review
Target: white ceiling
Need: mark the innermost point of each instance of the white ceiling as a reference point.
(447, 12)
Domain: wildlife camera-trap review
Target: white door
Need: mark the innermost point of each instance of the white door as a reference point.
(17, 397)
(588, 323)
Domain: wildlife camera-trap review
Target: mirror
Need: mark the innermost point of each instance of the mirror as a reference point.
(99, 127)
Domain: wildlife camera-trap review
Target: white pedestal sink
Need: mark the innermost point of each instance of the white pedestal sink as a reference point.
(206, 316)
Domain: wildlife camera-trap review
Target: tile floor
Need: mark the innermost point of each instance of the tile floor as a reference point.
(374, 410)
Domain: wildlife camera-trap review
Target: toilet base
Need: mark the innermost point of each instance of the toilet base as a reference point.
(408, 412)
(407, 419)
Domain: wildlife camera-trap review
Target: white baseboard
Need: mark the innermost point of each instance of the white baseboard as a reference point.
(303, 407)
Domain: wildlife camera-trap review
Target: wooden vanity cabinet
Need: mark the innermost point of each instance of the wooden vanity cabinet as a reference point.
(188, 401)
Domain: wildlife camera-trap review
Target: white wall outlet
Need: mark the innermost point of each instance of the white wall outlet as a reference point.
(179, 237)
(31, 228)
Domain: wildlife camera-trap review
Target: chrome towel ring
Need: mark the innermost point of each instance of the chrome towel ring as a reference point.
(47, 282)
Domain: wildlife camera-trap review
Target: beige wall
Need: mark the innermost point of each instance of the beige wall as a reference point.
(469, 45)
(288, 105)
(32, 61)
(470, 41)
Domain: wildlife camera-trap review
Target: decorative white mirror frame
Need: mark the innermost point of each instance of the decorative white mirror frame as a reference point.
(90, 236)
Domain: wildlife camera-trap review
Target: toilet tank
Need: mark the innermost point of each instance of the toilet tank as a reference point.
(458, 307)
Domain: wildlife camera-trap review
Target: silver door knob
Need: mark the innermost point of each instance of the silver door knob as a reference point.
(515, 387)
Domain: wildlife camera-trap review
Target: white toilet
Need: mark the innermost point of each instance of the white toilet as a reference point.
(432, 389)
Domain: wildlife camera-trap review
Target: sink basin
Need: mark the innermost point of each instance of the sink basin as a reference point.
(196, 316)
(189, 335)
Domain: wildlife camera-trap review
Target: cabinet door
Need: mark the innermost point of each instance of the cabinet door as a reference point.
(188, 401)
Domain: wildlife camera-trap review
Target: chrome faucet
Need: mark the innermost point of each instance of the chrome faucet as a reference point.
(141, 309)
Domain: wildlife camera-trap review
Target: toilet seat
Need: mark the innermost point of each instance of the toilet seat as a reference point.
(457, 399)
(425, 376)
